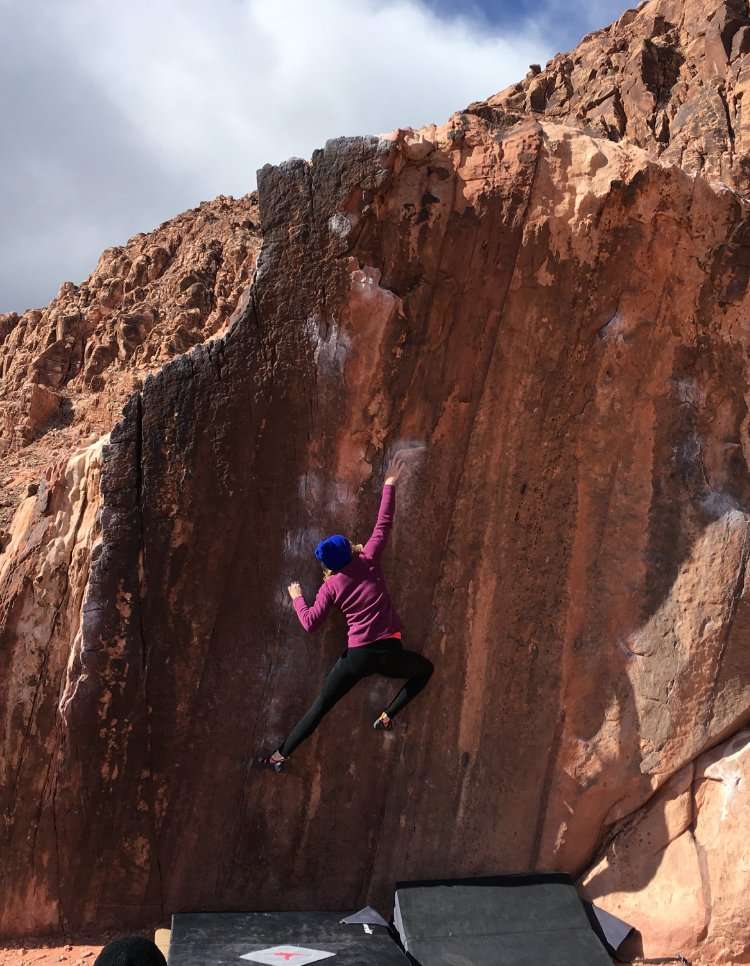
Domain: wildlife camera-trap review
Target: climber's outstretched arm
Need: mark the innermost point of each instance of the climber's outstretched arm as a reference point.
(312, 617)
(387, 512)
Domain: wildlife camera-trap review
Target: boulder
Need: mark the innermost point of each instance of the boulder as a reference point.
(550, 311)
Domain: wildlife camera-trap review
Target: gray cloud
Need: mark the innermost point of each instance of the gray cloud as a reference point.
(118, 116)
(74, 176)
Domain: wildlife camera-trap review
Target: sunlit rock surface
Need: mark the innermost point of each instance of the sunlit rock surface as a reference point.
(557, 324)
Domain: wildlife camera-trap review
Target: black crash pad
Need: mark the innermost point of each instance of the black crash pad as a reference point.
(512, 920)
(211, 939)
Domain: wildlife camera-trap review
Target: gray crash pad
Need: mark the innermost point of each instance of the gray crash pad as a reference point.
(496, 921)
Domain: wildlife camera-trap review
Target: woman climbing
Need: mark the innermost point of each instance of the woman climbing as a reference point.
(353, 582)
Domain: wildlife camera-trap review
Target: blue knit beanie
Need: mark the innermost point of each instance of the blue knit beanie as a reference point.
(335, 552)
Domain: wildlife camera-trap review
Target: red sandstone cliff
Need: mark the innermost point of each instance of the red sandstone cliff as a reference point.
(669, 76)
(561, 319)
(67, 369)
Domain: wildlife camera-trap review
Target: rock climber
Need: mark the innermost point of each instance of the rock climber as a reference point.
(353, 581)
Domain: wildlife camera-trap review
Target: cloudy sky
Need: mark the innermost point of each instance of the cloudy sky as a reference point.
(117, 116)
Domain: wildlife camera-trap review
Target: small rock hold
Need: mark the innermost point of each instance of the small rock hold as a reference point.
(32, 489)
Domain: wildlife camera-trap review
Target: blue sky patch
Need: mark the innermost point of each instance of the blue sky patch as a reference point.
(563, 24)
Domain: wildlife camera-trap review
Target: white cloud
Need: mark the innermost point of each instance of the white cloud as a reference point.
(126, 114)
(228, 86)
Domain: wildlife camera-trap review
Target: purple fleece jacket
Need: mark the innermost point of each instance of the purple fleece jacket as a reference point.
(359, 589)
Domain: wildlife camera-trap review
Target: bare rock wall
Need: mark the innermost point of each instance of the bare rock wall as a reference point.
(561, 323)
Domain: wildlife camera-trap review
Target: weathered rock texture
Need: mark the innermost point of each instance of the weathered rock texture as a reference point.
(671, 76)
(562, 323)
(679, 866)
(66, 370)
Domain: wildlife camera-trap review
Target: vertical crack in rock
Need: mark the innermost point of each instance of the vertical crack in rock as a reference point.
(550, 776)
(145, 668)
(41, 803)
(139, 497)
(60, 894)
(721, 91)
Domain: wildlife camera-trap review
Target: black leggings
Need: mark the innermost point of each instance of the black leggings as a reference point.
(386, 657)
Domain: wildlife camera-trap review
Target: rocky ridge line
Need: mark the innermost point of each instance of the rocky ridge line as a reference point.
(672, 76)
(67, 369)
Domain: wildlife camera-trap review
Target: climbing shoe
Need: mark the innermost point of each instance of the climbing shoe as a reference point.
(383, 723)
(268, 761)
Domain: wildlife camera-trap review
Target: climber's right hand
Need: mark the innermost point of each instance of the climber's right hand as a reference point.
(395, 468)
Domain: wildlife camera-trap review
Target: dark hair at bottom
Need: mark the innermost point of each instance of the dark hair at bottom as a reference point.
(131, 951)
